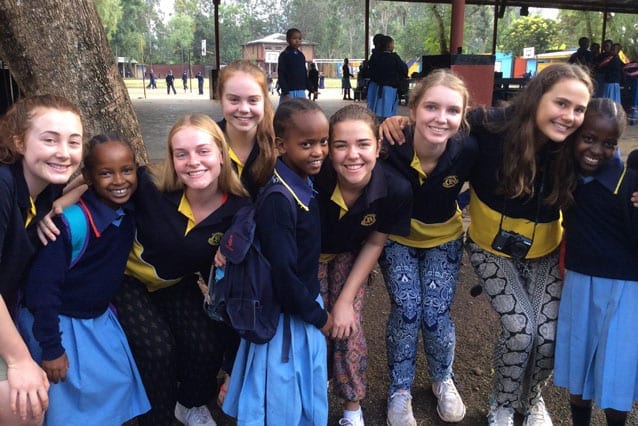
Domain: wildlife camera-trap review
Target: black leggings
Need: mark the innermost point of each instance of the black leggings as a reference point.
(174, 344)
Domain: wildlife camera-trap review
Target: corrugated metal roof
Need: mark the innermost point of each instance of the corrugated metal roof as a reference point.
(623, 6)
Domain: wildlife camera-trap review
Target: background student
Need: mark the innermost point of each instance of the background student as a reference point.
(292, 77)
(40, 147)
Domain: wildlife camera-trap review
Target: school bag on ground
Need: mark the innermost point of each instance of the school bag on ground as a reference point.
(244, 296)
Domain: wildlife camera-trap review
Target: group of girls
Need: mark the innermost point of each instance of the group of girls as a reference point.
(552, 149)
(352, 209)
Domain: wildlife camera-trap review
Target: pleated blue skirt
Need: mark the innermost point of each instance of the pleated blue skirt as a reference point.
(264, 390)
(103, 386)
(382, 100)
(597, 340)
(612, 91)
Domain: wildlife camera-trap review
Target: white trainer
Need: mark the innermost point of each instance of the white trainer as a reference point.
(400, 409)
(349, 421)
(538, 415)
(196, 416)
(500, 416)
(450, 406)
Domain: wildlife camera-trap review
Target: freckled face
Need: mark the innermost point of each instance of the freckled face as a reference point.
(561, 109)
(51, 149)
(596, 143)
(305, 144)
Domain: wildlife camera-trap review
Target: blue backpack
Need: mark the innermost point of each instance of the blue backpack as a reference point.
(242, 295)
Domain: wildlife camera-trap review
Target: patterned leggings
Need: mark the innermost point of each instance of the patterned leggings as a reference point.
(173, 342)
(421, 284)
(347, 358)
(525, 294)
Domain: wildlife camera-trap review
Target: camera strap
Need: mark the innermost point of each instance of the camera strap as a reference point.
(538, 204)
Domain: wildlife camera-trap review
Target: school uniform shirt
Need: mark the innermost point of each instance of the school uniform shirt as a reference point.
(384, 206)
(244, 170)
(387, 68)
(293, 248)
(19, 216)
(487, 208)
(291, 71)
(84, 289)
(168, 245)
(436, 217)
(601, 230)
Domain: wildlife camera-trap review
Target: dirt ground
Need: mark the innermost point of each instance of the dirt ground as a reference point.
(476, 329)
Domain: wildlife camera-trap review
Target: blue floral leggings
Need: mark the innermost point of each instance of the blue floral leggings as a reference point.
(421, 284)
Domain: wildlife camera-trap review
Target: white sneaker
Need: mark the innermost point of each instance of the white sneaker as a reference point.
(356, 421)
(450, 406)
(196, 416)
(538, 415)
(400, 409)
(500, 416)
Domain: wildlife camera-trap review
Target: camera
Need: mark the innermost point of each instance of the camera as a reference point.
(512, 244)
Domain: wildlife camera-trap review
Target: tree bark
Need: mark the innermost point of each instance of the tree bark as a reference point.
(60, 47)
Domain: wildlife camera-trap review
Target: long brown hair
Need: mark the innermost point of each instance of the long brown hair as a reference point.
(19, 119)
(262, 167)
(164, 175)
(523, 139)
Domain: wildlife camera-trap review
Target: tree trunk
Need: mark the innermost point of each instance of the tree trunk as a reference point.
(440, 29)
(60, 47)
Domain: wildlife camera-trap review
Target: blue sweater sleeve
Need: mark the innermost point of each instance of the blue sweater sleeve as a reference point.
(43, 292)
(276, 233)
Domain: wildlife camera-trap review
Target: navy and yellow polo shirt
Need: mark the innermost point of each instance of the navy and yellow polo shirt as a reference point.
(168, 245)
(519, 214)
(601, 229)
(436, 217)
(385, 206)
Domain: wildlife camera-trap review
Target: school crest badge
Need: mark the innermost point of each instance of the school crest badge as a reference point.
(450, 182)
(369, 219)
(215, 238)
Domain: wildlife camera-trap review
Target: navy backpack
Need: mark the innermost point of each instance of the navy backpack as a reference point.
(244, 296)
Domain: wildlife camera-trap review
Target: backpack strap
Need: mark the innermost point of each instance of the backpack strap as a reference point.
(78, 220)
(287, 338)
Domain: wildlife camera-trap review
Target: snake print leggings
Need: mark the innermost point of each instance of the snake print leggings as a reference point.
(525, 294)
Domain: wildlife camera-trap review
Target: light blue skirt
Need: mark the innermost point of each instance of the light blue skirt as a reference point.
(294, 94)
(264, 390)
(103, 386)
(612, 91)
(597, 340)
(382, 100)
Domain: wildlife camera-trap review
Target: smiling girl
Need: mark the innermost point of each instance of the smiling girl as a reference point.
(361, 201)
(421, 269)
(40, 147)
(247, 123)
